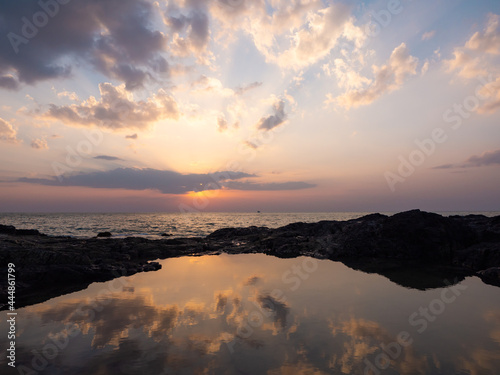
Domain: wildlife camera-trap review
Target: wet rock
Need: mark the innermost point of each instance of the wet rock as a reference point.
(490, 276)
(388, 245)
(104, 235)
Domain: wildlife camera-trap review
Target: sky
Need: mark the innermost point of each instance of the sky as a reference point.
(246, 105)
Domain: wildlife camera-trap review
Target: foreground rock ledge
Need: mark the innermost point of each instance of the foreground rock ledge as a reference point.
(414, 248)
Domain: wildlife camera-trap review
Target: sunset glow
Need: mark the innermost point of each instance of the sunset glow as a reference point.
(246, 105)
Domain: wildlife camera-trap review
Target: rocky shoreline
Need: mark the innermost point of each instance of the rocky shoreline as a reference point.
(415, 249)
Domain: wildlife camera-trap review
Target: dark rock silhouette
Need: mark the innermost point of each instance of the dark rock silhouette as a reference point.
(104, 235)
(415, 249)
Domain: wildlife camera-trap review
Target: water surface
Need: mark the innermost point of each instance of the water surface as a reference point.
(255, 314)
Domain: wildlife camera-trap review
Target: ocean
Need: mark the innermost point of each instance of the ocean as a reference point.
(153, 225)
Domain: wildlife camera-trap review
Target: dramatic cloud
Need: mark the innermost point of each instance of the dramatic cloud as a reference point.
(115, 37)
(117, 109)
(388, 78)
(189, 27)
(7, 132)
(167, 182)
(486, 159)
(278, 118)
(108, 158)
(39, 144)
(8, 82)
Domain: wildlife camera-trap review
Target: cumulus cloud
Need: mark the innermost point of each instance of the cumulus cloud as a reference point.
(487, 158)
(471, 60)
(117, 109)
(347, 77)
(115, 37)
(190, 28)
(39, 144)
(7, 132)
(272, 121)
(479, 56)
(290, 33)
(167, 182)
(487, 41)
(387, 78)
(315, 42)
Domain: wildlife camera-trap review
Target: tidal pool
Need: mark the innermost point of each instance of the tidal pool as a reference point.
(254, 314)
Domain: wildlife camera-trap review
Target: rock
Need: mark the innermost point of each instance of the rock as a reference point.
(395, 245)
(104, 235)
(490, 276)
(166, 235)
(10, 230)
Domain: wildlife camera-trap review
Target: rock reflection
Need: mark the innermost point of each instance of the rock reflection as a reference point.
(236, 324)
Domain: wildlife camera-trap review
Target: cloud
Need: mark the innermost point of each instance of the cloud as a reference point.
(479, 57)
(117, 109)
(428, 35)
(190, 29)
(388, 78)
(108, 158)
(9, 82)
(167, 182)
(115, 37)
(490, 91)
(315, 42)
(39, 144)
(7, 132)
(487, 158)
(251, 145)
(278, 118)
(347, 77)
(471, 60)
(222, 123)
(132, 136)
(211, 86)
(487, 41)
(290, 33)
(243, 89)
(67, 94)
(273, 186)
